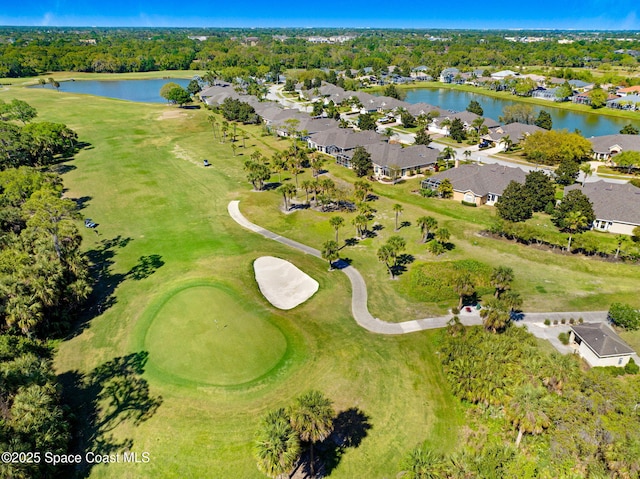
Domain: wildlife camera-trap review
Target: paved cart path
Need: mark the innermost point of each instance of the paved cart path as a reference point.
(365, 319)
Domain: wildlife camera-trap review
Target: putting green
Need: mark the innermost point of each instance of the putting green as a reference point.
(203, 334)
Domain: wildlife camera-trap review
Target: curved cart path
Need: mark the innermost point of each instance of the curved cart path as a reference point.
(359, 306)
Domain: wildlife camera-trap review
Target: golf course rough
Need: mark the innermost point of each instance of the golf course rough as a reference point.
(203, 334)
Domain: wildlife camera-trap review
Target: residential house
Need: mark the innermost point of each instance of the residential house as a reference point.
(632, 90)
(340, 143)
(479, 184)
(627, 102)
(599, 345)
(550, 94)
(607, 146)
(420, 73)
(504, 74)
(581, 86)
(615, 205)
(451, 75)
(392, 161)
(515, 131)
(466, 117)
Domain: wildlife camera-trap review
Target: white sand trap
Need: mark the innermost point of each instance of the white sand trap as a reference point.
(284, 285)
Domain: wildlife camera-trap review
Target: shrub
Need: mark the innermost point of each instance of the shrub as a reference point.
(455, 311)
(563, 321)
(572, 321)
(555, 322)
(469, 203)
(428, 192)
(631, 367)
(580, 320)
(564, 338)
(613, 370)
(547, 322)
(624, 316)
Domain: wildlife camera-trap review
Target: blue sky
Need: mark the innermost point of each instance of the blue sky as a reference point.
(559, 14)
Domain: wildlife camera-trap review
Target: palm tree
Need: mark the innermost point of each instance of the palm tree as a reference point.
(501, 279)
(508, 142)
(234, 147)
(287, 191)
(526, 411)
(311, 416)
(330, 252)
(277, 446)
(279, 164)
(586, 172)
(336, 223)
(386, 256)
(316, 161)
(225, 129)
(423, 463)
(467, 154)
(443, 235)
(574, 221)
(362, 189)
(495, 315)
(620, 239)
(397, 208)
(307, 186)
(427, 224)
(360, 222)
(463, 286)
(448, 153)
(214, 123)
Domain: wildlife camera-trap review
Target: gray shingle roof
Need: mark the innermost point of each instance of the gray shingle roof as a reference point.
(481, 179)
(345, 138)
(602, 340)
(603, 144)
(516, 131)
(387, 154)
(612, 201)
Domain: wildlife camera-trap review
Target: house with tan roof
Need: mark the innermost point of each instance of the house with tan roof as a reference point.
(479, 184)
(599, 345)
(632, 90)
(616, 206)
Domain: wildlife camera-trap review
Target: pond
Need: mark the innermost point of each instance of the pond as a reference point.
(147, 91)
(590, 124)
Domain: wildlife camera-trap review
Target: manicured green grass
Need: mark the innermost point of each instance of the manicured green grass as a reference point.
(142, 180)
(202, 333)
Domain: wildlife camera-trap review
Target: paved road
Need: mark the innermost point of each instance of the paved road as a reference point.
(363, 317)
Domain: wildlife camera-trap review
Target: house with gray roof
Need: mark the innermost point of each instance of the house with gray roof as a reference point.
(616, 206)
(340, 142)
(515, 131)
(599, 345)
(392, 161)
(479, 184)
(607, 146)
(550, 94)
(627, 102)
(466, 117)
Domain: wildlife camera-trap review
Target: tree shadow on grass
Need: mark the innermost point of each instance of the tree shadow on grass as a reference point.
(105, 282)
(349, 429)
(401, 264)
(112, 394)
(147, 265)
(102, 259)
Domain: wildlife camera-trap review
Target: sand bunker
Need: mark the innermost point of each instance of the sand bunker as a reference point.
(284, 285)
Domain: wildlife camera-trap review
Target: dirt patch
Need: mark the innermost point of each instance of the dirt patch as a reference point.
(182, 154)
(171, 114)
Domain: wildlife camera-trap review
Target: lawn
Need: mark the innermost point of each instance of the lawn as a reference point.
(171, 262)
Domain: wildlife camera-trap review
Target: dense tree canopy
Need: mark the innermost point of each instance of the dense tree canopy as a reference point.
(515, 203)
(551, 147)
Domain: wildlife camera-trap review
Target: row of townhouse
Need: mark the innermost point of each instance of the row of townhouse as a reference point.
(616, 206)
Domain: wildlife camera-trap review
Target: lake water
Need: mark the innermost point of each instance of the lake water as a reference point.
(590, 124)
(147, 91)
